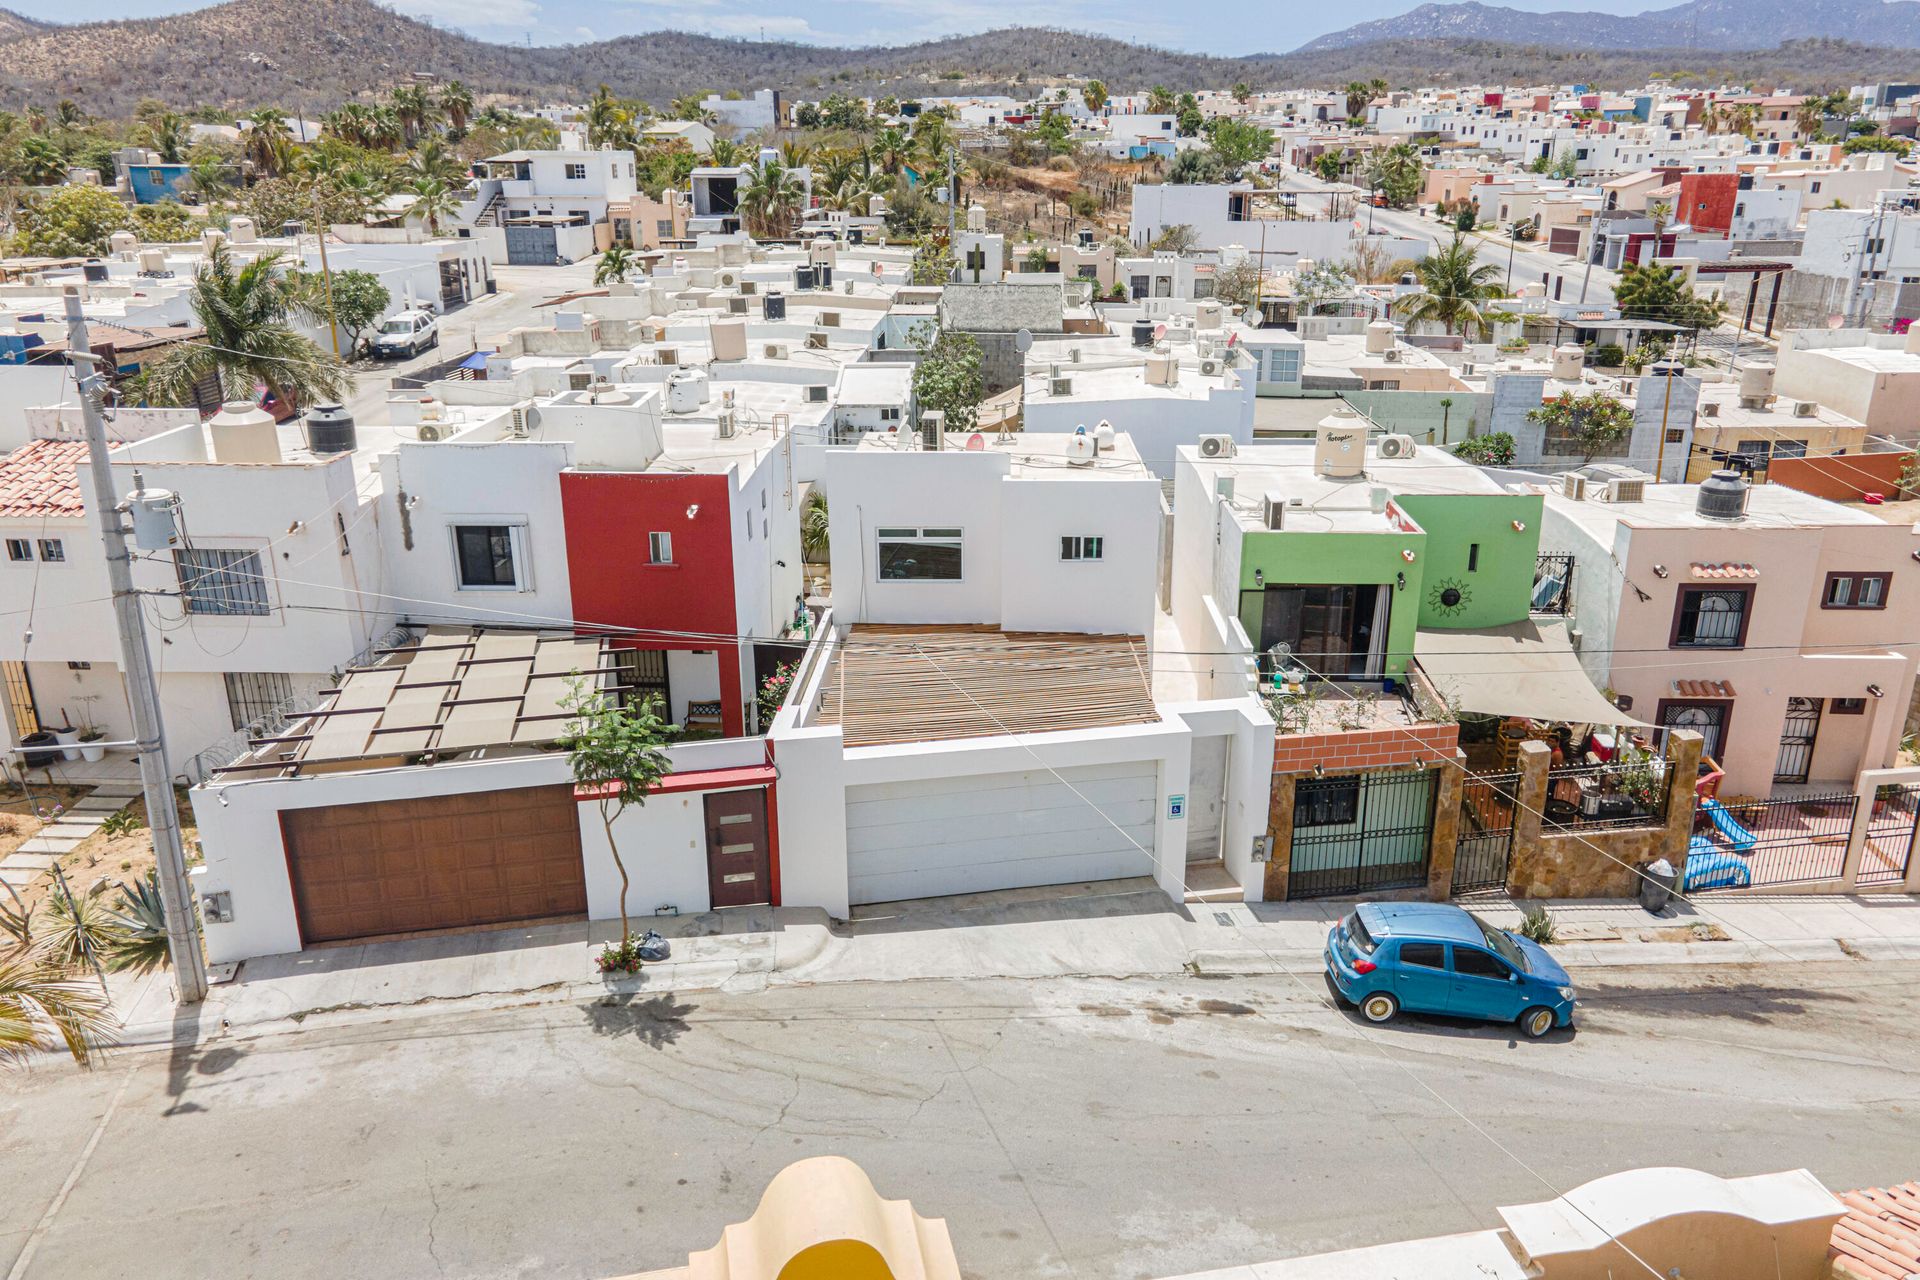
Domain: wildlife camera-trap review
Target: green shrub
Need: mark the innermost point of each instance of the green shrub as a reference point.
(1539, 926)
(1494, 450)
(1610, 354)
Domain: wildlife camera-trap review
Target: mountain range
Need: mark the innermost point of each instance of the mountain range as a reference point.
(1699, 24)
(311, 55)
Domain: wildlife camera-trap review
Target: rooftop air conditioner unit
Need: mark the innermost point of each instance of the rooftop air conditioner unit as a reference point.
(736, 306)
(748, 288)
(774, 351)
(817, 394)
(1060, 386)
(817, 340)
(727, 279)
(1710, 408)
(1626, 490)
(577, 381)
(1395, 446)
(1805, 408)
(1273, 510)
(1217, 446)
(829, 319)
(432, 432)
(724, 424)
(1392, 357)
(520, 425)
(933, 430)
(1211, 368)
(1573, 487)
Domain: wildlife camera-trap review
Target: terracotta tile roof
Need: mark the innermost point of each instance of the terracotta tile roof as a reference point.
(1725, 570)
(1879, 1237)
(1704, 688)
(37, 480)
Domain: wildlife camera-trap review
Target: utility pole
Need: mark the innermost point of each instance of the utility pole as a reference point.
(136, 667)
(1660, 456)
(953, 192)
(326, 273)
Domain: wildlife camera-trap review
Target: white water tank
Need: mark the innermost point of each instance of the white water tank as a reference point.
(241, 231)
(153, 262)
(976, 217)
(1568, 359)
(212, 238)
(1340, 445)
(1103, 436)
(123, 243)
(1379, 337)
(1208, 315)
(686, 390)
(1756, 384)
(822, 252)
(244, 432)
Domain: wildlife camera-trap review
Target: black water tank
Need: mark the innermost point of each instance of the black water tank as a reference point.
(292, 228)
(803, 277)
(775, 306)
(95, 271)
(330, 429)
(1142, 333)
(823, 276)
(1722, 496)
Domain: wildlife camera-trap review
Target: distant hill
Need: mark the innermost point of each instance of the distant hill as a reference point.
(310, 55)
(1700, 24)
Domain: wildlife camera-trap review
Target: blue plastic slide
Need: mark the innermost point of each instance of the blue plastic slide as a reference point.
(1710, 867)
(1743, 839)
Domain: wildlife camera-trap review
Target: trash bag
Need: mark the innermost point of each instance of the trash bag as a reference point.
(653, 947)
(1657, 880)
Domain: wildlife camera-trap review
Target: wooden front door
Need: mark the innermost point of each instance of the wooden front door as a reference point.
(739, 865)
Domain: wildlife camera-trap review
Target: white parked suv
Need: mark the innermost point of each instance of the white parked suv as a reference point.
(407, 333)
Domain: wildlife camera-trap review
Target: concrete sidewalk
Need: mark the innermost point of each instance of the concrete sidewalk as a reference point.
(1116, 929)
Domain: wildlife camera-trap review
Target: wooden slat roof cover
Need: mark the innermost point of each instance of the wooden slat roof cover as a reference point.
(895, 684)
(458, 690)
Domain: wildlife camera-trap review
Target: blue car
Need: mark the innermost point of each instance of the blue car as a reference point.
(1432, 957)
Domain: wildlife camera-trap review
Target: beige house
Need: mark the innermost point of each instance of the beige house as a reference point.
(657, 222)
(1873, 378)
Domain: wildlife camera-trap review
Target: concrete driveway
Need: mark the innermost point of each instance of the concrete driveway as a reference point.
(1093, 1128)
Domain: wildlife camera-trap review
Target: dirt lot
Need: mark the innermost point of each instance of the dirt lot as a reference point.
(126, 856)
(21, 812)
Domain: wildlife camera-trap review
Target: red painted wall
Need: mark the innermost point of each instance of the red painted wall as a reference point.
(608, 517)
(1841, 478)
(1707, 200)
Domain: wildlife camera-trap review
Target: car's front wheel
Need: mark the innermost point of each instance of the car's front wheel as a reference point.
(1536, 1022)
(1379, 1007)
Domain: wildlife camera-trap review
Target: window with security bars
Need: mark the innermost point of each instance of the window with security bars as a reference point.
(222, 583)
(1711, 618)
(255, 695)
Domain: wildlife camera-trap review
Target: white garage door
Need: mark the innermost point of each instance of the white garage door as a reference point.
(925, 839)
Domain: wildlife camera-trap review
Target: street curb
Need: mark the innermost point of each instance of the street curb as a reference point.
(1598, 955)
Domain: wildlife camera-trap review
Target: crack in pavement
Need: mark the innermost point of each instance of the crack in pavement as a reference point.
(433, 1239)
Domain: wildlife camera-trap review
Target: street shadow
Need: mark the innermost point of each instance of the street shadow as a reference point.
(1048, 904)
(656, 1022)
(1407, 1022)
(1754, 1003)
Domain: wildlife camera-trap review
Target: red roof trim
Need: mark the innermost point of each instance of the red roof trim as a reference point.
(38, 480)
(758, 775)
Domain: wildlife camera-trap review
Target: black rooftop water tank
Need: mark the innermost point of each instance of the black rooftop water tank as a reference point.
(330, 429)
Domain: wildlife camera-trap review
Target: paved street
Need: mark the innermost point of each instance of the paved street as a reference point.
(1064, 1128)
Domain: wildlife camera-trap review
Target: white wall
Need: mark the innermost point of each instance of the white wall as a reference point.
(1159, 425)
(873, 488)
(1042, 592)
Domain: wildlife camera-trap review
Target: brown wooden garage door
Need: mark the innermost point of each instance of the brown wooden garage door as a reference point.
(441, 862)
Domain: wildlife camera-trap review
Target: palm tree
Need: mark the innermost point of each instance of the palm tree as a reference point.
(492, 118)
(833, 168)
(1160, 101)
(1742, 118)
(932, 136)
(250, 340)
(609, 123)
(269, 141)
(1094, 94)
(384, 130)
(43, 1008)
(416, 110)
(796, 154)
(890, 149)
(771, 199)
(1809, 116)
(1454, 287)
(615, 265)
(37, 161)
(724, 153)
(208, 178)
(166, 133)
(456, 100)
(433, 200)
(431, 159)
(68, 115)
(815, 546)
(37, 119)
(1242, 93)
(1710, 118)
(1661, 213)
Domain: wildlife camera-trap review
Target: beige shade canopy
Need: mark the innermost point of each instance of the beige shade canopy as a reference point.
(1523, 669)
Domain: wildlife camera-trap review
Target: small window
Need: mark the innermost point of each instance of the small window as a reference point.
(1423, 955)
(1327, 802)
(659, 548)
(1856, 591)
(19, 549)
(1847, 706)
(1676, 435)
(1082, 548)
(576, 171)
(1789, 448)
(1471, 962)
(222, 583)
(1473, 557)
(1711, 618)
(53, 550)
(920, 555)
(484, 553)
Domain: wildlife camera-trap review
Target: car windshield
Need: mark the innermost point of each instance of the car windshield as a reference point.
(397, 326)
(1502, 944)
(1357, 935)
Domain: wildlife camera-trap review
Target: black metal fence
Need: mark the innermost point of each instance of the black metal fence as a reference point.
(1631, 793)
(1786, 840)
(1890, 833)
(1361, 833)
(1553, 585)
(1483, 851)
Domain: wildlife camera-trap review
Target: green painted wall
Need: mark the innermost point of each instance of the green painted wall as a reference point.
(1500, 589)
(1322, 558)
(1421, 415)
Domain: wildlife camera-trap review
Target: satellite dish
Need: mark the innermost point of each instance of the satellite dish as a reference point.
(1836, 321)
(1023, 341)
(976, 442)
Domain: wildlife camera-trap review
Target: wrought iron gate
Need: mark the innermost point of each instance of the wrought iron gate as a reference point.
(531, 246)
(1890, 833)
(1360, 833)
(1483, 852)
(1797, 734)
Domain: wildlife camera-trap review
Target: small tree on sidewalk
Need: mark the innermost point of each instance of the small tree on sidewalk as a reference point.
(621, 751)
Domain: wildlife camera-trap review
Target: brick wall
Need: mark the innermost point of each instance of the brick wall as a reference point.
(1366, 750)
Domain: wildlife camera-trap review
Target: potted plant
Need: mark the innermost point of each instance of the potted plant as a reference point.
(69, 739)
(93, 733)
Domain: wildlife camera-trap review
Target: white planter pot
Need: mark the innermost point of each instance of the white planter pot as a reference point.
(92, 753)
(69, 740)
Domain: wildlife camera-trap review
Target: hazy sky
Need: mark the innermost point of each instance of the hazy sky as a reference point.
(1231, 26)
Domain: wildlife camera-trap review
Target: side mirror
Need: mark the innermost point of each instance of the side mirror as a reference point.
(1513, 977)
